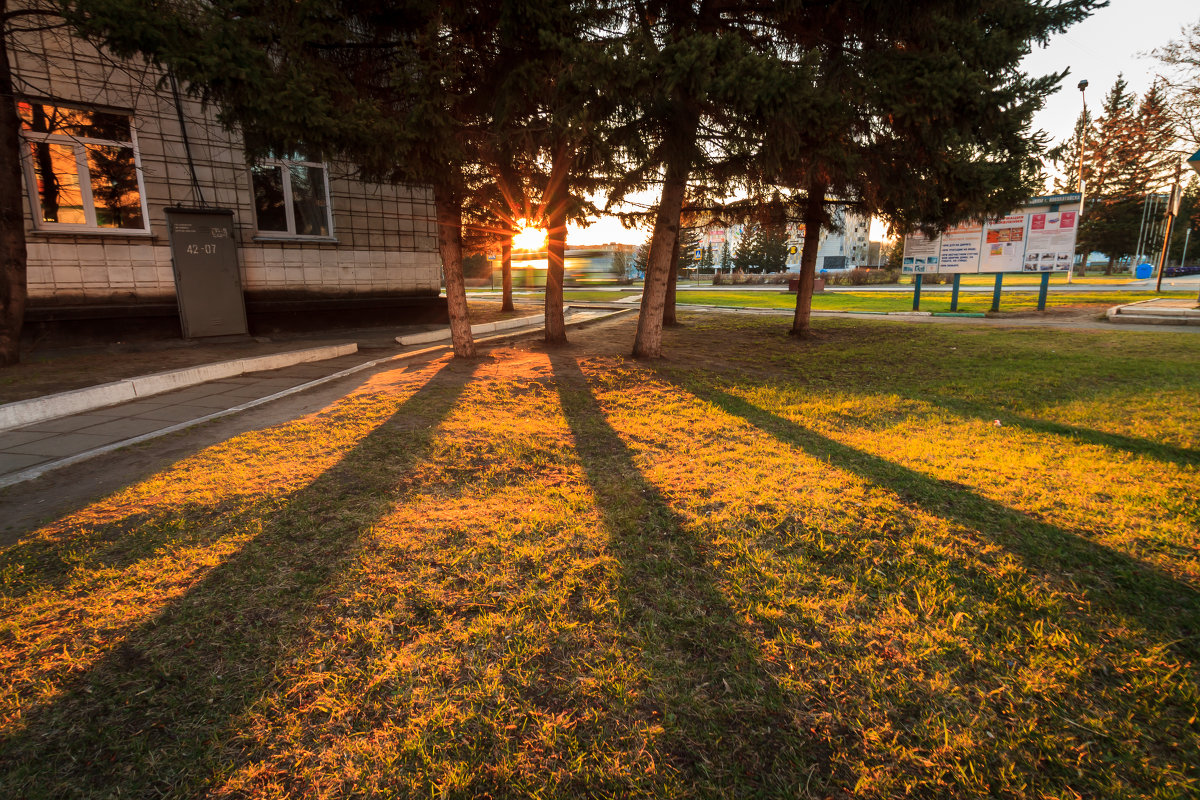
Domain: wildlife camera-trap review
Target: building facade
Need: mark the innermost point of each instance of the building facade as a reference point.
(844, 248)
(108, 146)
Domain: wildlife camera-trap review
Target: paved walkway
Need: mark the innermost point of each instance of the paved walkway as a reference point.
(65, 439)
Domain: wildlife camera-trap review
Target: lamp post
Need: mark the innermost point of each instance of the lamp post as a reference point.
(1081, 142)
(1194, 163)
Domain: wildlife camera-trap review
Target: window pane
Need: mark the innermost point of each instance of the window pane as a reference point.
(309, 205)
(57, 175)
(68, 121)
(115, 187)
(268, 198)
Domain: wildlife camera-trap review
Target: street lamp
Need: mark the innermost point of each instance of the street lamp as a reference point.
(1082, 134)
(1194, 163)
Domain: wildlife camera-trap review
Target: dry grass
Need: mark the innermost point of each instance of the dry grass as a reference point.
(760, 568)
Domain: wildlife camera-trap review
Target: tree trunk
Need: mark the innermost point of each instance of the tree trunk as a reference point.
(449, 220)
(814, 217)
(556, 213)
(672, 282)
(506, 269)
(12, 217)
(648, 341)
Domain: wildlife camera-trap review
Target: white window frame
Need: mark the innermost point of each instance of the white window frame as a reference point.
(288, 206)
(78, 145)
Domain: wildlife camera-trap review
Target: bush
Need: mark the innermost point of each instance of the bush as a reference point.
(862, 276)
(739, 278)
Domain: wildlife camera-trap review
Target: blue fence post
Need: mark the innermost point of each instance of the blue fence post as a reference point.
(1043, 291)
(954, 293)
(917, 294)
(996, 291)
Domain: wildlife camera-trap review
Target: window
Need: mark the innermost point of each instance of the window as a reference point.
(82, 168)
(291, 197)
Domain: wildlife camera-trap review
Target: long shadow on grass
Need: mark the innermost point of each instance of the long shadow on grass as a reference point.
(1111, 579)
(151, 717)
(730, 729)
(1160, 451)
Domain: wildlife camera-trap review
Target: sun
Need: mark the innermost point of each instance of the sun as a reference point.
(529, 238)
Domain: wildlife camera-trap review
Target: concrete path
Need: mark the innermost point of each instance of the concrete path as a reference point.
(25, 452)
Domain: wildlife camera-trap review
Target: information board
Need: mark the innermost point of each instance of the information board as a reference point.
(961, 248)
(1050, 244)
(921, 254)
(1004, 244)
(208, 285)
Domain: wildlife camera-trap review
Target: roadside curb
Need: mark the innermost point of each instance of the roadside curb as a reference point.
(41, 469)
(476, 330)
(62, 404)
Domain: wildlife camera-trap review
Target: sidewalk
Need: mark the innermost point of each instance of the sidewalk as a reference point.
(29, 451)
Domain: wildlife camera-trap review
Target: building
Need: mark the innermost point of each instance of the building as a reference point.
(845, 248)
(110, 149)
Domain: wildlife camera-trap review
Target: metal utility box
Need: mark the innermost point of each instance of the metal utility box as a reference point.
(208, 285)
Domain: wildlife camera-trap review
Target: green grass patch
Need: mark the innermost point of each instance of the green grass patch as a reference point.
(938, 561)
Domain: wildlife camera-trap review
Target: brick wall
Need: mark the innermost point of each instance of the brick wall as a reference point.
(383, 237)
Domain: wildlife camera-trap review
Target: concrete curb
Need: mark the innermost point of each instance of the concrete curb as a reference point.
(40, 409)
(1144, 312)
(476, 330)
(42, 469)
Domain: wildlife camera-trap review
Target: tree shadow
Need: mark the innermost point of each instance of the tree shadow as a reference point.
(151, 716)
(1161, 451)
(1112, 580)
(98, 536)
(729, 728)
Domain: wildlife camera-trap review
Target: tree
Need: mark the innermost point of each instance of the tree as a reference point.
(726, 261)
(1126, 152)
(773, 247)
(1179, 63)
(641, 257)
(15, 19)
(706, 259)
(748, 254)
(883, 73)
(620, 262)
(548, 114)
(689, 243)
(697, 71)
(345, 81)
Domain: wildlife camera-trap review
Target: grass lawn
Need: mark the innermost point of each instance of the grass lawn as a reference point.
(757, 568)
(930, 301)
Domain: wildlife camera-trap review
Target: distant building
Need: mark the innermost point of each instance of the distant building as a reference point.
(107, 152)
(843, 249)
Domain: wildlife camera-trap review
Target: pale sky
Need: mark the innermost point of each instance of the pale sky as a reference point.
(1109, 42)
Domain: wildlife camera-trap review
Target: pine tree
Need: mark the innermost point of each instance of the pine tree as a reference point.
(641, 258)
(773, 246)
(905, 64)
(748, 253)
(1127, 153)
(689, 242)
(706, 259)
(726, 262)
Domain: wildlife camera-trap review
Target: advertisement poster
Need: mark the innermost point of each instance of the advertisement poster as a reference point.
(920, 254)
(1051, 241)
(1004, 244)
(961, 248)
